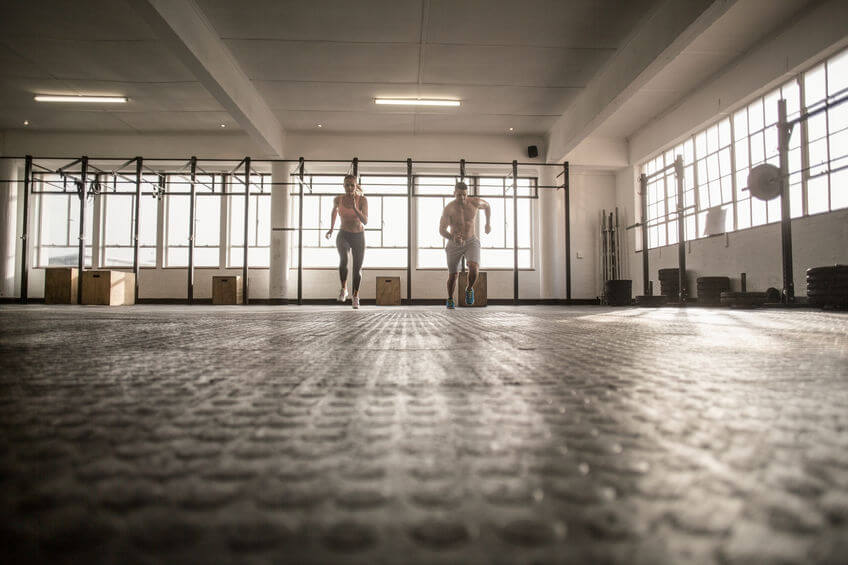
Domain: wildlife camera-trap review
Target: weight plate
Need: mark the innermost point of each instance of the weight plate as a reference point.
(764, 182)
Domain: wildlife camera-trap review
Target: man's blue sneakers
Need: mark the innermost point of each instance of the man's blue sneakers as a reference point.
(469, 296)
(450, 304)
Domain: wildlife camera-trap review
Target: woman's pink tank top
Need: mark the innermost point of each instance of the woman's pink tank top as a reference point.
(346, 212)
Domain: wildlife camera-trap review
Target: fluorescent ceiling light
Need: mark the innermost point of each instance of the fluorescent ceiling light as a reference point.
(416, 102)
(100, 99)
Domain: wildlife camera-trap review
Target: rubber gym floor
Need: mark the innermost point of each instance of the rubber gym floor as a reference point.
(538, 434)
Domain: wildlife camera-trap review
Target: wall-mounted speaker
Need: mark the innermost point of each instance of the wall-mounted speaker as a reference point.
(532, 151)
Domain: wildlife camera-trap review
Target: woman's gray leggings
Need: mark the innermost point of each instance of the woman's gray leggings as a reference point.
(355, 242)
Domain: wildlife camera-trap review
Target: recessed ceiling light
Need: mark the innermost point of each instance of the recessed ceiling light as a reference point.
(416, 102)
(223, 125)
(511, 129)
(320, 125)
(95, 99)
(26, 122)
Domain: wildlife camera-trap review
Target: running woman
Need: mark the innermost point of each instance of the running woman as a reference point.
(352, 209)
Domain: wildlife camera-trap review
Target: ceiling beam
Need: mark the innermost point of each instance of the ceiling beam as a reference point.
(665, 33)
(600, 153)
(185, 30)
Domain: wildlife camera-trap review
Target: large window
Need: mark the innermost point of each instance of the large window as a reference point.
(258, 221)
(387, 217)
(219, 220)
(724, 153)
(117, 199)
(711, 180)
(661, 190)
(207, 220)
(497, 247)
(57, 213)
(207, 227)
(385, 234)
(756, 142)
(177, 201)
(827, 135)
(432, 195)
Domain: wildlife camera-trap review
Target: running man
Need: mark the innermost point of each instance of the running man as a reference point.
(460, 215)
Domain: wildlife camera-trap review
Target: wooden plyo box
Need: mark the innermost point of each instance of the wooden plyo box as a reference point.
(388, 291)
(480, 289)
(60, 285)
(227, 290)
(108, 288)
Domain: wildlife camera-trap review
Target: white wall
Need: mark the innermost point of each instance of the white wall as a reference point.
(591, 192)
(817, 240)
(46, 144)
(418, 147)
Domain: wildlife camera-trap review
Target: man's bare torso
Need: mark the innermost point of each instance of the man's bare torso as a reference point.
(462, 218)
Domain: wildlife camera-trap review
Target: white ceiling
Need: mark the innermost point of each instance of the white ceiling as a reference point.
(513, 64)
(95, 47)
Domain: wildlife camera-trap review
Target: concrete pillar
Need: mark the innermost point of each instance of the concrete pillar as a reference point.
(547, 233)
(8, 227)
(278, 274)
(552, 236)
(559, 240)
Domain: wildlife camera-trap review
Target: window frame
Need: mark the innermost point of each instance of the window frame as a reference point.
(172, 183)
(801, 171)
(324, 215)
(474, 188)
(256, 197)
(69, 191)
(102, 200)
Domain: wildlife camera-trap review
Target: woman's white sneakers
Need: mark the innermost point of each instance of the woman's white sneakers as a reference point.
(343, 297)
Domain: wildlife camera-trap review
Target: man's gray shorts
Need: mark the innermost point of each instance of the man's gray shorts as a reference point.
(454, 253)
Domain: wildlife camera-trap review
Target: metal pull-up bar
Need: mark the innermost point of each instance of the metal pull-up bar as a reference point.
(193, 165)
(245, 286)
(681, 234)
(566, 185)
(81, 258)
(643, 223)
(136, 227)
(25, 231)
(300, 234)
(515, 232)
(677, 166)
(784, 131)
(409, 191)
(191, 231)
